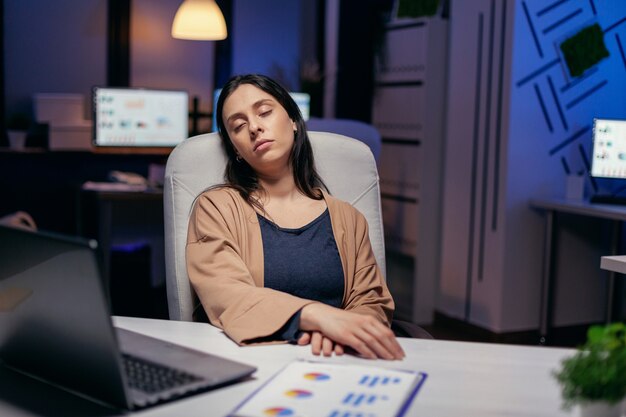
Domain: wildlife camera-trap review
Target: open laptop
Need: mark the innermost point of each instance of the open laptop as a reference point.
(55, 326)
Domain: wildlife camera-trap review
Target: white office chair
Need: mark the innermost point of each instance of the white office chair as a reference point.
(346, 166)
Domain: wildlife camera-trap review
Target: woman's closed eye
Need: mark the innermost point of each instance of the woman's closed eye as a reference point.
(238, 127)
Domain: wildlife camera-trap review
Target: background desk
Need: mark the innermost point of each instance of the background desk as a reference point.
(47, 184)
(615, 214)
(122, 218)
(464, 379)
(614, 263)
(128, 226)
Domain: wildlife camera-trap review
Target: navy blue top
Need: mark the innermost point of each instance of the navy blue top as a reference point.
(304, 262)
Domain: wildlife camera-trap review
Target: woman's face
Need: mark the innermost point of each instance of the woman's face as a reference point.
(259, 128)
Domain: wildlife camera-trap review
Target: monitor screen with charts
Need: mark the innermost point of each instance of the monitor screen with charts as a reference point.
(303, 100)
(136, 117)
(608, 159)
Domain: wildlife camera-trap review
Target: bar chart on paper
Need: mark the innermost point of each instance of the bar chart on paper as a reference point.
(334, 390)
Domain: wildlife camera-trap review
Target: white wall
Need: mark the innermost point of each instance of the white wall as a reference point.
(53, 47)
(266, 39)
(160, 61)
(61, 47)
(331, 37)
(535, 169)
(472, 252)
(492, 241)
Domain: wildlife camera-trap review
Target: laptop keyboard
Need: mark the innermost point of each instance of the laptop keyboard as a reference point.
(151, 378)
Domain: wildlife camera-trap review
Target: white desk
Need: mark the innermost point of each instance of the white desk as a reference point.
(614, 263)
(464, 379)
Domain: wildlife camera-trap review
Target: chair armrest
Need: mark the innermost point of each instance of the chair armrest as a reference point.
(403, 328)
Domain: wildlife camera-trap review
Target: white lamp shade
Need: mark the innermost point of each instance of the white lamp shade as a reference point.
(199, 20)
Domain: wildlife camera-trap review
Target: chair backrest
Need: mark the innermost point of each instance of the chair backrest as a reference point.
(346, 166)
(356, 129)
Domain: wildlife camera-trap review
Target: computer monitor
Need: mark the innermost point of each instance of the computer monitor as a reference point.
(303, 100)
(608, 159)
(137, 117)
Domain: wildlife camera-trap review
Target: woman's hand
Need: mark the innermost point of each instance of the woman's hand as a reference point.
(20, 220)
(366, 335)
(320, 344)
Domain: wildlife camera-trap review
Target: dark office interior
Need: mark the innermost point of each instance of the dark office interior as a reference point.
(484, 120)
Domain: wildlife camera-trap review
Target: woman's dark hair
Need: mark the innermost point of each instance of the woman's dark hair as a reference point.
(239, 174)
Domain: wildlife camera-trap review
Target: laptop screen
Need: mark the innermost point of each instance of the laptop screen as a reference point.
(55, 325)
(56, 319)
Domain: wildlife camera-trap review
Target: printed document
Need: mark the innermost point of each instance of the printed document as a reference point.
(334, 390)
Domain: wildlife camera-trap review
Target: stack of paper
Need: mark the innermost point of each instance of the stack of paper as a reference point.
(334, 390)
(65, 116)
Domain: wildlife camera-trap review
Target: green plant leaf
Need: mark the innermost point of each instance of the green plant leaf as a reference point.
(597, 372)
(595, 334)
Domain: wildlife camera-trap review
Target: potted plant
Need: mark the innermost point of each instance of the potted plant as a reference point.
(595, 377)
(17, 128)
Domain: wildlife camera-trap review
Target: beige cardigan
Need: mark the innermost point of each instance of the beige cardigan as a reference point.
(225, 266)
